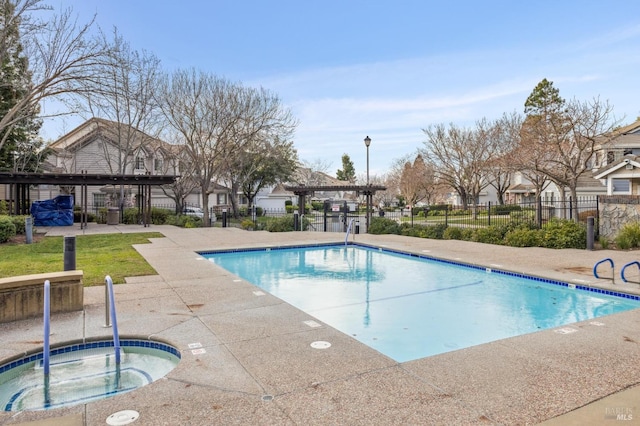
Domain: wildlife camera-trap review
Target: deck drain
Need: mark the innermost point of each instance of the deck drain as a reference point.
(320, 344)
(267, 398)
(123, 417)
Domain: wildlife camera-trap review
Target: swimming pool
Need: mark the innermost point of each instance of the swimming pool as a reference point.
(408, 306)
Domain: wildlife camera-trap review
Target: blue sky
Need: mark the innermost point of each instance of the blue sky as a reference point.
(388, 69)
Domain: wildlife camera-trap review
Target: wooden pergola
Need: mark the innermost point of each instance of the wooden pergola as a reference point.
(367, 190)
(20, 182)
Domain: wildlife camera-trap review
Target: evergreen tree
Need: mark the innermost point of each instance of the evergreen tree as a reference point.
(348, 172)
(20, 145)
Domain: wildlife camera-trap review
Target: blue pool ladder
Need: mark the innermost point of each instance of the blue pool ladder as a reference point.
(635, 262)
(613, 269)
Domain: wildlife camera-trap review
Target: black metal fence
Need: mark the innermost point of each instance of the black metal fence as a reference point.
(483, 215)
(535, 213)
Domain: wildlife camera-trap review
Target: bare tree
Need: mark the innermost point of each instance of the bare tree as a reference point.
(259, 123)
(563, 135)
(416, 181)
(61, 54)
(310, 172)
(200, 107)
(500, 169)
(124, 93)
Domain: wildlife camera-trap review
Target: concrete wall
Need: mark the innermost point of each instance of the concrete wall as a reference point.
(616, 211)
(23, 296)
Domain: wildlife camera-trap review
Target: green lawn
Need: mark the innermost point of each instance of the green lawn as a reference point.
(96, 255)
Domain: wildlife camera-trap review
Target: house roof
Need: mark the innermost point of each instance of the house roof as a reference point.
(627, 160)
(624, 137)
(521, 188)
(110, 131)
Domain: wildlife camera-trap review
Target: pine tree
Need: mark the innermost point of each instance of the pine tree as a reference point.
(20, 144)
(348, 172)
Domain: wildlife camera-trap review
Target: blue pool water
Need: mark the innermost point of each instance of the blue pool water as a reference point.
(410, 307)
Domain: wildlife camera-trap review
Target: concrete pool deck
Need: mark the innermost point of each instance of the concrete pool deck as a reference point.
(247, 359)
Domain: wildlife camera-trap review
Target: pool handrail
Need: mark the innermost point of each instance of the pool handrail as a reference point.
(346, 237)
(114, 321)
(47, 327)
(635, 262)
(46, 347)
(613, 273)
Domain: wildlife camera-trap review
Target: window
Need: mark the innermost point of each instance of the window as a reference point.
(139, 163)
(620, 186)
(157, 164)
(222, 199)
(99, 199)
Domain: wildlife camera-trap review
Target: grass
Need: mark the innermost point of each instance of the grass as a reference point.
(96, 256)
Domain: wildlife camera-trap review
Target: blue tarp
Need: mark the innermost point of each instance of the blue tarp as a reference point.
(56, 212)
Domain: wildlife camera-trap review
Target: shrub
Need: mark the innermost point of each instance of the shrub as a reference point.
(505, 209)
(628, 236)
(604, 242)
(381, 225)
(583, 216)
(4, 208)
(77, 216)
(7, 229)
(20, 224)
(285, 224)
(489, 235)
(563, 233)
(452, 233)
(468, 234)
(247, 224)
(523, 216)
(523, 237)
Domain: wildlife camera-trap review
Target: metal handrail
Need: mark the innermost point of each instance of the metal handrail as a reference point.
(346, 237)
(613, 272)
(635, 262)
(114, 321)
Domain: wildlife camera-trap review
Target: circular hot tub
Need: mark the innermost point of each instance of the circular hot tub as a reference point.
(83, 372)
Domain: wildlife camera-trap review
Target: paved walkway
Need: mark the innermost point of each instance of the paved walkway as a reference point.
(258, 366)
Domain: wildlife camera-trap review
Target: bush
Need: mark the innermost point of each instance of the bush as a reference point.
(435, 232)
(247, 224)
(77, 216)
(628, 236)
(7, 229)
(285, 224)
(524, 216)
(489, 235)
(583, 216)
(4, 208)
(20, 224)
(563, 233)
(381, 225)
(452, 233)
(523, 237)
(505, 209)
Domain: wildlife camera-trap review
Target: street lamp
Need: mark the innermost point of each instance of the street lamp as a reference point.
(367, 142)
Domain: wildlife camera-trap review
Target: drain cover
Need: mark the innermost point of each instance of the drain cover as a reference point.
(320, 344)
(122, 418)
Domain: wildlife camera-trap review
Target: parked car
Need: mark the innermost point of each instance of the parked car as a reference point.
(193, 211)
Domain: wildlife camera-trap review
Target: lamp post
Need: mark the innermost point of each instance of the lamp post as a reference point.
(367, 142)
